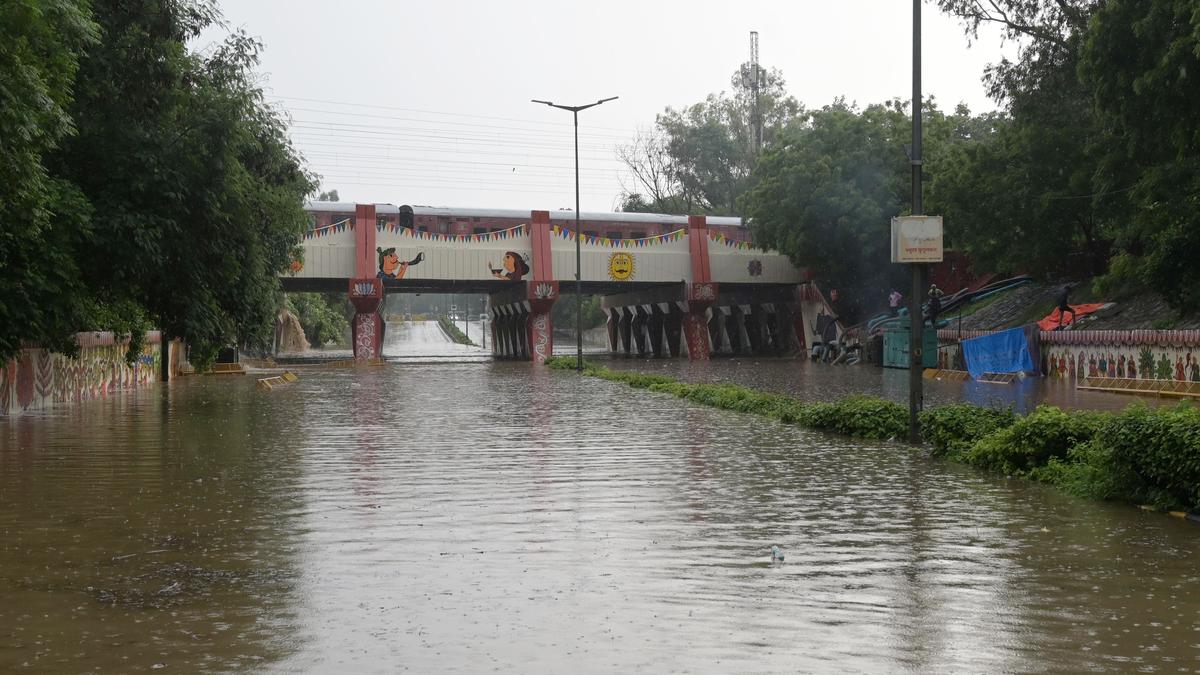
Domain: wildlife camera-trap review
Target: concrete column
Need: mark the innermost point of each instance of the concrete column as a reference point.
(674, 331)
(736, 329)
(654, 327)
(716, 331)
(613, 325)
(626, 330)
(540, 336)
(640, 317)
(366, 329)
(754, 330)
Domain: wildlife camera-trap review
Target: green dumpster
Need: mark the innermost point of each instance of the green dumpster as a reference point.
(895, 348)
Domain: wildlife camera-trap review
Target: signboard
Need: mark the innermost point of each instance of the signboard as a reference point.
(917, 239)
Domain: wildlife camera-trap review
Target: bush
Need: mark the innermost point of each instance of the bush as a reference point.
(1092, 470)
(1163, 447)
(1030, 442)
(953, 429)
(869, 417)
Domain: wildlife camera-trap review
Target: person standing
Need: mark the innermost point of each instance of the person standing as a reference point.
(1064, 306)
(935, 304)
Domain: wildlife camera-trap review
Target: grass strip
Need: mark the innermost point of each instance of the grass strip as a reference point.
(453, 332)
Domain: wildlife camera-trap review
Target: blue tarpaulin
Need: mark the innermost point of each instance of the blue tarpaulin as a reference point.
(1003, 352)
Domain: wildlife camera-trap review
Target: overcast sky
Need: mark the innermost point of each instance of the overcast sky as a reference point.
(428, 102)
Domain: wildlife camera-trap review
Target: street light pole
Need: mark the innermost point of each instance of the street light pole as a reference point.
(578, 234)
(916, 331)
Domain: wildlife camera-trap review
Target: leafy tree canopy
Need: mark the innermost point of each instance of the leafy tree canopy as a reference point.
(698, 159)
(167, 194)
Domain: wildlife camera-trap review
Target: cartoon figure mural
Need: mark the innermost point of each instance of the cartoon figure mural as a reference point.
(514, 267)
(620, 266)
(390, 266)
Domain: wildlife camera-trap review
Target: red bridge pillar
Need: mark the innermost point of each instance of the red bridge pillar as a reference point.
(541, 291)
(366, 289)
(701, 294)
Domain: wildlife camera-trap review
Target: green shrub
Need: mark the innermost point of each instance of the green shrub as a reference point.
(1031, 441)
(953, 429)
(1092, 470)
(1162, 446)
(869, 417)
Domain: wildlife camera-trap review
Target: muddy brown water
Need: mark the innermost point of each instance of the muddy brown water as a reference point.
(477, 516)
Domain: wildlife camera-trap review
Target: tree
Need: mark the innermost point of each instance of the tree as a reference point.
(42, 216)
(1022, 201)
(195, 189)
(824, 195)
(330, 196)
(699, 159)
(1141, 61)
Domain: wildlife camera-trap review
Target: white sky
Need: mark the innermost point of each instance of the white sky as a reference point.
(428, 102)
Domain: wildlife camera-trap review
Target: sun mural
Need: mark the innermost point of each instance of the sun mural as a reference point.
(620, 266)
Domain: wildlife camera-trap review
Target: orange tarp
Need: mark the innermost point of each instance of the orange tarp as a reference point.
(1051, 320)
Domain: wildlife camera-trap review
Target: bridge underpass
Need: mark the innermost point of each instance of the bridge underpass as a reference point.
(688, 292)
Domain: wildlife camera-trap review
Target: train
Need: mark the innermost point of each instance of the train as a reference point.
(447, 220)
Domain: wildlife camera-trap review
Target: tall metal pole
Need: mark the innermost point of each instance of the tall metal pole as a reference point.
(578, 234)
(578, 260)
(916, 332)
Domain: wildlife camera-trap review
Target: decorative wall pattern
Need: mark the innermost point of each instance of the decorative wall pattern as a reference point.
(1074, 355)
(39, 379)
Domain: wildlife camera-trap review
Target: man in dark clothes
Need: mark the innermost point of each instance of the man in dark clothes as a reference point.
(935, 304)
(1064, 306)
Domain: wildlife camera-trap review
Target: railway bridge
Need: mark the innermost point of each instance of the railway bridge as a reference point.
(690, 290)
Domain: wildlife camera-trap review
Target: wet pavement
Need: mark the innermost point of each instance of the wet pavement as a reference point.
(469, 516)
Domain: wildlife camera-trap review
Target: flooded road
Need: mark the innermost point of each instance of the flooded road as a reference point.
(478, 516)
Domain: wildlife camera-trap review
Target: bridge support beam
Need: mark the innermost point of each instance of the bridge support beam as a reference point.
(700, 297)
(673, 326)
(654, 327)
(640, 318)
(626, 330)
(613, 324)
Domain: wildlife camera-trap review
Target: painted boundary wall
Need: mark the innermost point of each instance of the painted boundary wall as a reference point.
(38, 379)
(1075, 355)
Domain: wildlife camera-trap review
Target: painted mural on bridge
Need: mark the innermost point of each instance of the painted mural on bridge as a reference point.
(512, 268)
(390, 266)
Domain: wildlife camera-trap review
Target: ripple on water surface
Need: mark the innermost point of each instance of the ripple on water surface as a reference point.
(476, 516)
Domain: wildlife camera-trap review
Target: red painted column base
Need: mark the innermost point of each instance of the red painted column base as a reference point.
(366, 331)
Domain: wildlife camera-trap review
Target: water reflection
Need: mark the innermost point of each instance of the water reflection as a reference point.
(471, 516)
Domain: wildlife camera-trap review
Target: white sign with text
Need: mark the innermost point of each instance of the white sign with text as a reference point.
(917, 239)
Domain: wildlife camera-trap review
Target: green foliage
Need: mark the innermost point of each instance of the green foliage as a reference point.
(562, 315)
(324, 317)
(141, 183)
(1031, 441)
(699, 158)
(1100, 165)
(453, 331)
(41, 217)
(825, 193)
(858, 416)
(1162, 446)
(953, 429)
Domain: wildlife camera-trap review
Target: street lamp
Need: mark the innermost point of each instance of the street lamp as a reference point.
(578, 234)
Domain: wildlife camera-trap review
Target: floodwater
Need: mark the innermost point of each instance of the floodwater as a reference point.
(470, 516)
(812, 381)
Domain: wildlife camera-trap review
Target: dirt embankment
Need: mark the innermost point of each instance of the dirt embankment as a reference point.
(1034, 301)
